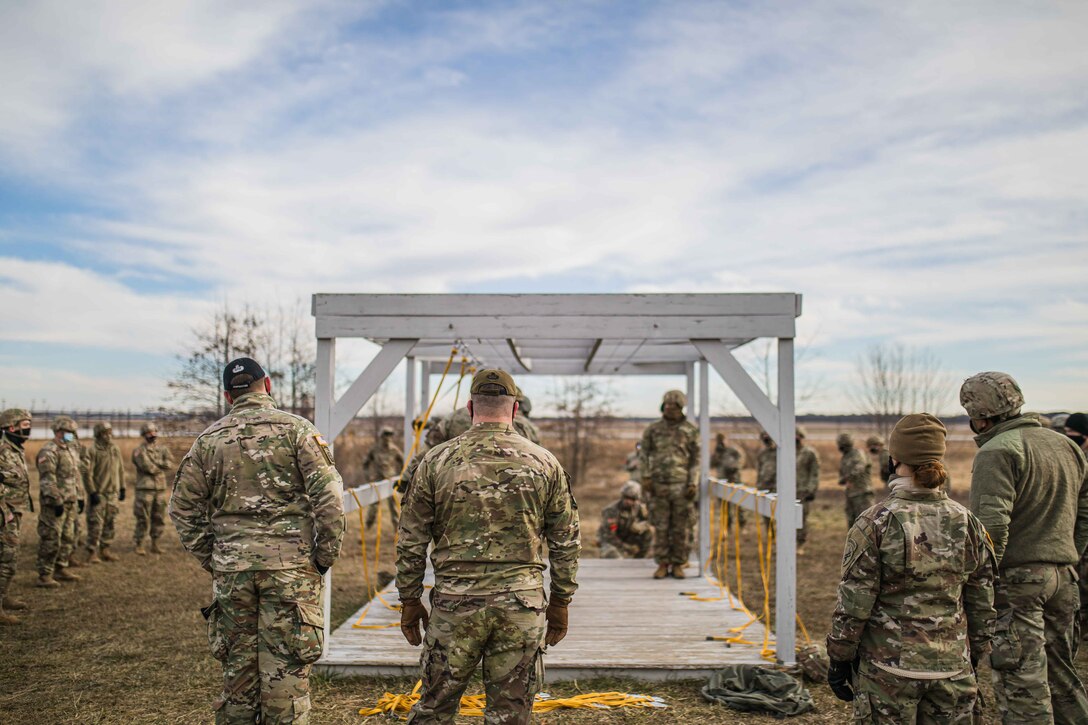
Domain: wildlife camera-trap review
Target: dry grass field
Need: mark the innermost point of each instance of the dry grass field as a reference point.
(127, 644)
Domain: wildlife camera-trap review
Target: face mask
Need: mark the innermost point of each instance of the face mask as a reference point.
(892, 465)
(150, 439)
(1078, 439)
(874, 451)
(19, 436)
(68, 437)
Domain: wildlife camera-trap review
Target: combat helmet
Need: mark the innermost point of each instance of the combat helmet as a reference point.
(100, 428)
(631, 489)
(674, 396)
(873, 441)
(800, 432)
(13, 416)
(991, 394)
(524, 404)
(844, 439)
(387, 431)
(65, 423)
(149, 427)
(1057, 422)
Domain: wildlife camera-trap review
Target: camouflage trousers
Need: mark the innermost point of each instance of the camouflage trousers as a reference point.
(150, 509)
(56, 536)
(266, 628)
(9, 549)
(881, 697)
(373, 509)
(632, 546)
(100, 521)
(1035, 643)
(856, 504)
(671, 516)
(802, 533)
(506, 631)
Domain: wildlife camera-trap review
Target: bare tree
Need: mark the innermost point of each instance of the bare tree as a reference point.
(585, 409)
(289, 357)
(380, 410)
(893, 380)
(760, 359)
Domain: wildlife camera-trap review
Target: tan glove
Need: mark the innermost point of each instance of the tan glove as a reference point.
(412, 612)
(692, 492)
(557, 622)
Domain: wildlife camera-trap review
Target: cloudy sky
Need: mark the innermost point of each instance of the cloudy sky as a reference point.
(916, 170)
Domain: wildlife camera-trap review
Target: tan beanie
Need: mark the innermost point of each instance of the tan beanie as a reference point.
(917, 438)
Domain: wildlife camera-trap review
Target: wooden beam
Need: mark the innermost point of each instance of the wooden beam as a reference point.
(367, 384)
(368, 493)
(592, 354)
(734, 374)
(762, 502)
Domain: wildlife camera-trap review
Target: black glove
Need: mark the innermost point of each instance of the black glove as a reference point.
(58, 509)
(412, 612)
(839, 676)
(95, 499)
(974, 661)
(320, 569)
(121, 496)
(81, 505)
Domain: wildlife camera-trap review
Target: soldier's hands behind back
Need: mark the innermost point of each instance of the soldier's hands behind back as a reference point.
(95, 499)
(81, 505)
(838, 678)
(557, 623)
(121, 496)
(412, 612)
(59, 509)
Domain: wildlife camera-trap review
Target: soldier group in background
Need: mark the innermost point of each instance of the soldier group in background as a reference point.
(726, 460)
(383, 461)
(808, 482)
(152, 460)
(880, 457)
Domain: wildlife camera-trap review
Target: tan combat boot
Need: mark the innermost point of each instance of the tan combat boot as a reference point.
(678, 571)
(92, 557)
(63, 575)
(46, 581)
(140, 548)
(72, 563)
(662, 571)
(13, 604)
(107, 555)
(155, 547)
(7, 619)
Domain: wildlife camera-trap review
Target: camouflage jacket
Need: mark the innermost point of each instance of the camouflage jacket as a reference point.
(152, 461)
(105, 473)
(258, 490)
(458, 422)
(726, 462)
(527, 428)
(59, 473)
(383, 461)
(670, 452)
(1029, 487)
(808, 473)
(14, 477)
(632, 466)
(618, 524)
(917, 585)
(855, 472)
(767, 468)
(490, 500)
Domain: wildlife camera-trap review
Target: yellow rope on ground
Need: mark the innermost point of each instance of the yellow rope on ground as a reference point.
(474, 705)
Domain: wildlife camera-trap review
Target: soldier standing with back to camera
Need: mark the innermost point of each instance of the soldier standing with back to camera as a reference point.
(105, 484)
(670, 474)
(14, 495)
(1029, 487)
(488, 500)
(152, 460)
(259, 503)
(60, 500)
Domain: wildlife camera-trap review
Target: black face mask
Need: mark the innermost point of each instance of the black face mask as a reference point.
(892, 465)
(150, 439)
(19, 437)
(1078, 439)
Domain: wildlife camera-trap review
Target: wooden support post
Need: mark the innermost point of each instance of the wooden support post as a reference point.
(786, 516)
(409, 401)
(424, 385)
(704, 466)
(324, 398)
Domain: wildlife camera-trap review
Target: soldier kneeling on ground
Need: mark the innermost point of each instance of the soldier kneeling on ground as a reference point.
(625, 531)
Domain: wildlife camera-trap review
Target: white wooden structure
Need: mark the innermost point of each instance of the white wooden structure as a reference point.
(559, 334)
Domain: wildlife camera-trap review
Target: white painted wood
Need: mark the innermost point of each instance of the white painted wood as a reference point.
(368, 382)
(367, 493)
(503, 326)
(704, 465)
(734, 374)
(409, 402)
(761, 502)
(324, 397)
(577, 367)
(424, 386)
(788, 517)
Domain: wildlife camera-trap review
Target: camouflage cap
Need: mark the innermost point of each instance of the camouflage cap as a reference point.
(918, 438)
(874, 441)
(844, 439)
(104, 426)
(14, 416)
(492, 381)
(675, 396)
(631, 489)
(65, 423)
(149, 427)
(800, 432)
(990, 394)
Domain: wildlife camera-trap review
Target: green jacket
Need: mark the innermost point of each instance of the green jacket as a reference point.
(669, 453)
(1029, 487)
(258, 490)
(917, 585)
(105, 474)
(489, 500)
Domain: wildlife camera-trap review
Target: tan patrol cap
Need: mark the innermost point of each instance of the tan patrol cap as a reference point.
(492, 381)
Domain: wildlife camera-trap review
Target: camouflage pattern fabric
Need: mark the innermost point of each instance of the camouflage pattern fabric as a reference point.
(457, 423)
(857, 505)
(105, 475)
(632, 466)
(672, 512)
(102, 520)
(917, 586)
(10, 522)
(1035, 645)
(278, 497)
(152, 461)
(726, 462)
(527, 428)
(383, 461)
(625, 531)
(266, 628)
(881, 697)
(767, 468)
(808, 482)
(150, 509)
(669, 458)
(757, 689)
(14, 495)
(56, 536)
(506, 631)
(59, 472)
(489, 500)
(855, 472)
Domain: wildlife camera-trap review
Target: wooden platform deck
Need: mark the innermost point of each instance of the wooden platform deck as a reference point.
(622, 623)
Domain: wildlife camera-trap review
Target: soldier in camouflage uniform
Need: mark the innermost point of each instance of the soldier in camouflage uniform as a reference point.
(77, 541)
(625, 531)
(434, 436)
(880, 457)
(808, 482)
(767, 464)
(855, 473)
(670, 474)
(632, 465)
(14, 495)
(458, 422)
(522, 424)
(152, 460)
(915, 608)
(726, 460)
(259, 503)
(489, 501)
(105, 484)
(60, 503)
(383, 461)
(1029, 487)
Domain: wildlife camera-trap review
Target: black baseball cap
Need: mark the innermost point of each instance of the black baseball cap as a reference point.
(243, 371)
